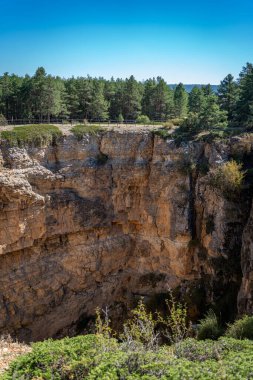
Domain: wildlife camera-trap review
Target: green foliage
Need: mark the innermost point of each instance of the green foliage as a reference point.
(228, 95)
(241, 329)
(3, 120)
(177, 121)
(102, 323)
(84, 357)
(43, 97)
(157, 100)
(243, 114)
(185, 164)
(177, 326)
(180, 101)
(143, 119)
(36, 135)
(211, 115)
(81, 130)
(196, 100)
(140, 329)
(209, 327)
(120, 118)
(228, 177)
(99, 105)
(164, 133)
(131, 99)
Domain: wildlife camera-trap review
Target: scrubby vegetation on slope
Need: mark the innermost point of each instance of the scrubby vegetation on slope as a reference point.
(36, 135)
(137, 354)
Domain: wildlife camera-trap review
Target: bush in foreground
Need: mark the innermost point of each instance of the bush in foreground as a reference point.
(93, 357)
(36, 135)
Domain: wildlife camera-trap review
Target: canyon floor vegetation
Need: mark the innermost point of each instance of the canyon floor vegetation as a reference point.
(139, 352)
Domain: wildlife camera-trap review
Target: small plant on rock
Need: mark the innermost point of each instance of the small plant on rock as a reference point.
(228, 177)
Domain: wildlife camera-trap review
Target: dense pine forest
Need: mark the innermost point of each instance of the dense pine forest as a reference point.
(43, 97)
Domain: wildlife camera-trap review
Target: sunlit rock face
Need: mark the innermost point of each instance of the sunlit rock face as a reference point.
(113, 217)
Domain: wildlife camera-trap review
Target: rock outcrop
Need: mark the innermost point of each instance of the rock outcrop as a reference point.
(110, 218)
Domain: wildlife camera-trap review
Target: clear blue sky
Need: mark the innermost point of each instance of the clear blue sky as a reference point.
(193, 41)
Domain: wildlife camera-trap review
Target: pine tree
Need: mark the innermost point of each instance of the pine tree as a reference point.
(196, 100)
(72, 98)
(244, 106)
(147, 99)
(99, 106)
(85, 90)
(162, 100)
(227, 95)
(131, 106)
(211, 115)
(180, 101)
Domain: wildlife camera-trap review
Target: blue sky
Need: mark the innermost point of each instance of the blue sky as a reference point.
(190, 41)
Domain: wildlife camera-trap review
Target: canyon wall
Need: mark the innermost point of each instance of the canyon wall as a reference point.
(112, 217)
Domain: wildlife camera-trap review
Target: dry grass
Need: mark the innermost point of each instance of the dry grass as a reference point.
(9, 350)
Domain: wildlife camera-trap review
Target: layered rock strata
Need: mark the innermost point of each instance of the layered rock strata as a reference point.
(106, 219)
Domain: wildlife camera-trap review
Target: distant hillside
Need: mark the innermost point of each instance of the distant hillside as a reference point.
(189, 87)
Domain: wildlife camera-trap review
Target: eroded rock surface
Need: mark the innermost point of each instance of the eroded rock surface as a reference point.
(112, 217)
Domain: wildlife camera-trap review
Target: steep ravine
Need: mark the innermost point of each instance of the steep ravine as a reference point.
(112, 217)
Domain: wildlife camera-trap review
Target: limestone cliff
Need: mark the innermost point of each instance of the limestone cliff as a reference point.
(111, 217)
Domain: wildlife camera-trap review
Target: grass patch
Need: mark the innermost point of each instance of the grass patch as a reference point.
(81, 130)
(35, 135)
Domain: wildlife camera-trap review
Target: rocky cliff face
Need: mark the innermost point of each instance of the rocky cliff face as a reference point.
(110, 218)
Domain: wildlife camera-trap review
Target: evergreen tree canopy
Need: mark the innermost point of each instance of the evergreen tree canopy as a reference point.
(227, 95)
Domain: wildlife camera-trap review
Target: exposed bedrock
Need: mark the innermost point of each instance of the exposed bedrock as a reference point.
(112, 217)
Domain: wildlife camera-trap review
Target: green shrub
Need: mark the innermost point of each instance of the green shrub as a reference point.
(241, 329)
(228, 177)
(140, 329)
(143, 119)
(35, 135)
(83, 358)
(209, 327)
(168, 125)
(120, 118)
(177, 326)
(81, 130)
(162, 132)
(177, 121)
(185, 164)
(3, 121)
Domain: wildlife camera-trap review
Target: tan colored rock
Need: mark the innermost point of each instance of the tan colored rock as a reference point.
(77, 232)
